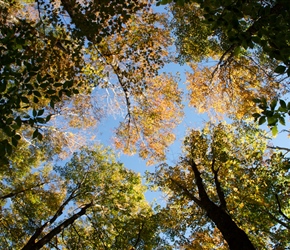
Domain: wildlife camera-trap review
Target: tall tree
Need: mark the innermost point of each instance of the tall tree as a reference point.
(227, 181)
(91, 202)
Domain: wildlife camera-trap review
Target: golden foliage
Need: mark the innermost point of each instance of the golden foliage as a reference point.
(230, 89)
(150, 124)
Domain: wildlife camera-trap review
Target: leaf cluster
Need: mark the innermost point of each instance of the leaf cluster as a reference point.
(271, 113)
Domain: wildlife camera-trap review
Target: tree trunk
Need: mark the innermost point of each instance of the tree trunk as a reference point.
(236, 238)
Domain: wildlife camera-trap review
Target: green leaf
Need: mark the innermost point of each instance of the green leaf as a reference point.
(35, 134)
(48, 118)
(40, 136)
(31, 121)
(34, 112)
(273, 104)
(8, 131)
(256, 116)
(44, 85)
(40, 120)
(256, 100)
(2, 86)
(35, 99)
(24, 99)
(8, 148)
(274, 131)
(283, 104)
(37, 93)
(17, 137)
(75, 91)
(52, 104)
(14, 142)
(272, 121)
(256, 39)
(50, 92)
(18, 121)
(262, 120)
(284, 110)
(38, 78)
(58, 84)
(280, 69)
(282, 120)
(40, 112)
(9, 120)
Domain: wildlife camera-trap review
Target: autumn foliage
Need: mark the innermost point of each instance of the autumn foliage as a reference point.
(69, 66)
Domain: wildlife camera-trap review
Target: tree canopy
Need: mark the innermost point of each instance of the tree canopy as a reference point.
(68, 65)
(91, 201)
(55, 51)
(226, 180)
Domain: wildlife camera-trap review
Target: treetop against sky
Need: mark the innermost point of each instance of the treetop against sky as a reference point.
(185, 89)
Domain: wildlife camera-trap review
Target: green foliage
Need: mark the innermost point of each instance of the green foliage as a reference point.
(43, 200)
(54, 53)
(273, 114)
(249, 25)
(233, 32)
(238, 175)
(34, 78)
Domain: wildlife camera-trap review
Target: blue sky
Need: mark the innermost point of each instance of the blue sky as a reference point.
(191, 120)
(105, 130)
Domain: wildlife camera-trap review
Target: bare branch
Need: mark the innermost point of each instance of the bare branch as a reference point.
(223, 62)
(279, 148)
(123, 86)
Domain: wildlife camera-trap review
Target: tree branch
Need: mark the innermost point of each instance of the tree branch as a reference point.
(20, 191)
(280, 209)
(276, 219)
(219, 190)
(58, 213)
(123, 86)
(255, 27)
(77, 17)
(223, 62)
(186, 192)
(57, 230)
(199, 182)
(139, 235)
(279, 148)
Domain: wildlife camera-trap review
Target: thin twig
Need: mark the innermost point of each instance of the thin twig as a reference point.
(279, 148)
